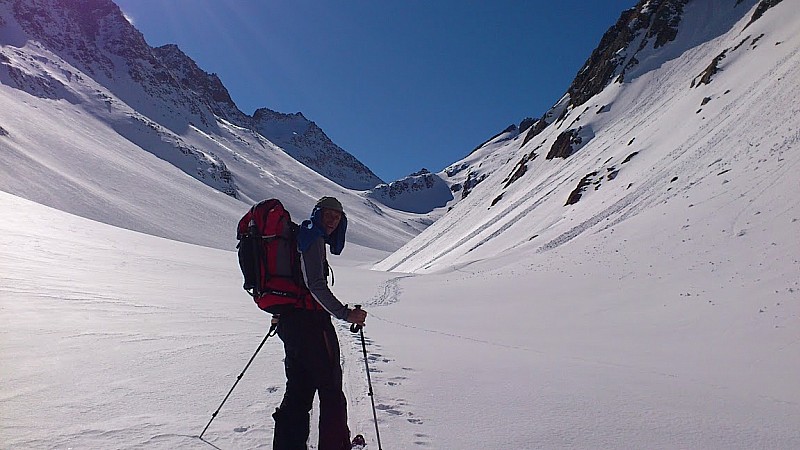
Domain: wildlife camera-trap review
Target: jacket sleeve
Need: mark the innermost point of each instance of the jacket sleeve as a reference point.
(313, 264)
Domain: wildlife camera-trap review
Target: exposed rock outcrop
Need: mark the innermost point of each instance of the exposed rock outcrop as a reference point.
(473, 179)
(520, 169)
(761, 9)
(208, 87)
(653, 21)
(563, 146)
(709, 72)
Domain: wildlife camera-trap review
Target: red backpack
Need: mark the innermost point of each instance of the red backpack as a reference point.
(269, 259)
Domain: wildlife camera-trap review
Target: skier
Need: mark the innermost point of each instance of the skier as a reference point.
(312, 348)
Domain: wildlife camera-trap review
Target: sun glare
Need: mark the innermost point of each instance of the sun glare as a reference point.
(128, 17)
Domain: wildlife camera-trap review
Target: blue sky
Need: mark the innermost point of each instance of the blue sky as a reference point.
(399, 84)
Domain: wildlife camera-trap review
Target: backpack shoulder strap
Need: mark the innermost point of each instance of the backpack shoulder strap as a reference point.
(297, 273)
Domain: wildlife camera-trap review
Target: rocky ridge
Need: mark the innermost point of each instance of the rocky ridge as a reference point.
(166, 89)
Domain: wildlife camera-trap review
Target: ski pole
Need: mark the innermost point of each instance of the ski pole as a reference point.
(271, 332)
(355, 328)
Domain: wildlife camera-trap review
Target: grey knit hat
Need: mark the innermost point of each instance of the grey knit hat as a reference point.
(330, 203)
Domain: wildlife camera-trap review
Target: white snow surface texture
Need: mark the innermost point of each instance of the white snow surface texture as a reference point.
(661, 311)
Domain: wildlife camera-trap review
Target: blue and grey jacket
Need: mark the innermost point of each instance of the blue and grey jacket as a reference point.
(311, 240)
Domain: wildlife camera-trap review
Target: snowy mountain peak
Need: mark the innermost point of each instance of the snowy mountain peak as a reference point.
(123, 114)
(421, 192)
(207, 86)
(635, 44)
(651, 23)
(166, 85)
(266, 114)
(306, 142)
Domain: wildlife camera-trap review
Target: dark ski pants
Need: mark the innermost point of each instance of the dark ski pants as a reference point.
(312, 366)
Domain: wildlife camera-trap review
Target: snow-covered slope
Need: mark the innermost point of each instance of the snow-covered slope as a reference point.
(433, 194)
(708, 121)
(301, 138)
(99, 124)
(116, 339)
(421, 192)
(305, 141)
(658, 310)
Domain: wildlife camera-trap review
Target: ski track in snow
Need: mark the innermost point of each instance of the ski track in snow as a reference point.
(112, 348)
(388, 293)
(397, 420)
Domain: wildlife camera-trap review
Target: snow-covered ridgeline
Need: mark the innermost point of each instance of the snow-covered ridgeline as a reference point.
(636, 145)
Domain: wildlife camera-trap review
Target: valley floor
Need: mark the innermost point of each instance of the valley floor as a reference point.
(114, 339)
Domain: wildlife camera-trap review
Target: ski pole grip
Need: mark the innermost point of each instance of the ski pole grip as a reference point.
(355, 328)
